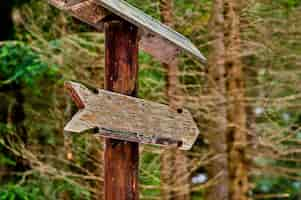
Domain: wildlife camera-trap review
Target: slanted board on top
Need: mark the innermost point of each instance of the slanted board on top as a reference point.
(127, 118)
(157, 39)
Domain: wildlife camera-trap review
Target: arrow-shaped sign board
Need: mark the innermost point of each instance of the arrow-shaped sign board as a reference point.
(157, 39)
(117, 116)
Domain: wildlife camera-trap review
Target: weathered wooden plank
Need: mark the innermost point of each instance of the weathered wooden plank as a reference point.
(132, 119)
(153, 26)
(160, 48)
(157, 39)
(85, 10)
(70, 3)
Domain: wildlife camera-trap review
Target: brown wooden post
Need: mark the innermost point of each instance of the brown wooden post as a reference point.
(121, 73)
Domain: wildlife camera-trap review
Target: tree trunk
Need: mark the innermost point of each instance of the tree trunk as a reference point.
(6, 22)
(218, 114)
(175, 178)
(237, 116)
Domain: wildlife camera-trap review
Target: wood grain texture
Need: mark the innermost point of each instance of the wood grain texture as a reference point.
(161, 49)
(121, 75)
(157, 39)
(121, 170)
(128, 118)
(140, 19)
(86, 11)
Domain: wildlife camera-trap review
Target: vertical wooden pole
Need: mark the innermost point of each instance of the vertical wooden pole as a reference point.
(121, 73)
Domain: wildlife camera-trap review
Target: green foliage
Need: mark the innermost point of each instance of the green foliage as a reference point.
(290, 3)
(6, 161)
(281, 186)
(42, 189)
(150, 175)
(150, 7)
(20, 64)
(151, 80)
(15, 192)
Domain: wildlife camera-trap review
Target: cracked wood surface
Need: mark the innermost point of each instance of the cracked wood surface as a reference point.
(157, 39)
(122, 117)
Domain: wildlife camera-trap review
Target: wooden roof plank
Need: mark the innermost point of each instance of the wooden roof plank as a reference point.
(157, 39)
(142, 20)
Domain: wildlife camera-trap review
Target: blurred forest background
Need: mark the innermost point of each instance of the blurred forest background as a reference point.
(246, 101)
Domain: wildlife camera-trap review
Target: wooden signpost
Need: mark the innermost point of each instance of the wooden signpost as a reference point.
(122, 117)
(123, 120)
(154, 37)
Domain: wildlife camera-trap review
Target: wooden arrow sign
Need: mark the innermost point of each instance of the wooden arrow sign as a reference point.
(127, 118)
(157, 39)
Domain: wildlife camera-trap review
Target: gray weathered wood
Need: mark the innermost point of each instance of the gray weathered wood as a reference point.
(85, 10)
(157, 39)
(127, 118)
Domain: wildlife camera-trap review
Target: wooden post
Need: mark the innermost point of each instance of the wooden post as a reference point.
(121, 73)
